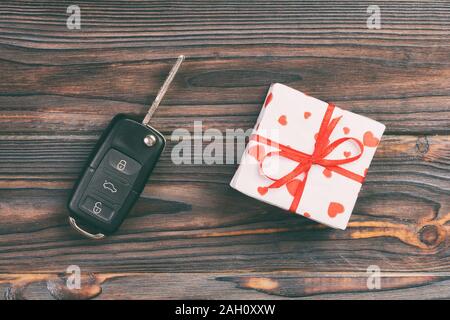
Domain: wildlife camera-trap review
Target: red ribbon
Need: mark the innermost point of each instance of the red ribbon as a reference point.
(322, 148)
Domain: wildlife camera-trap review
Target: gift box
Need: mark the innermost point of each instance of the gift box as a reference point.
(307, 156)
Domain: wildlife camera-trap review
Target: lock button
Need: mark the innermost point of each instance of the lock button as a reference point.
(122, 163)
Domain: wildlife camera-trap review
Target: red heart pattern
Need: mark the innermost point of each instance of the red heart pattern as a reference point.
(327, 173)
(307, 114)
(346, 130)
(347, 154)
(262, 190)
(282, 120)
(370, 140)
(335, 208)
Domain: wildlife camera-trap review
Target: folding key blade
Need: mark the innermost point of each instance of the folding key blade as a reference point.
(163, 90)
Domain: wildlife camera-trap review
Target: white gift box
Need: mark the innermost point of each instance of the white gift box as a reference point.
(307, 156)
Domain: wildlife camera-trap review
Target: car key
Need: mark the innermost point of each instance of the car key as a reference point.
(117, 171)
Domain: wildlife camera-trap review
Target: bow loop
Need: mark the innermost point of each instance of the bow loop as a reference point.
(332, 146)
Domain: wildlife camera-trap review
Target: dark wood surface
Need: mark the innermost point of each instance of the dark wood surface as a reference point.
(190, 235)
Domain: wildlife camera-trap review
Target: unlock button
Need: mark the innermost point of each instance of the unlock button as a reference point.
(97, 207)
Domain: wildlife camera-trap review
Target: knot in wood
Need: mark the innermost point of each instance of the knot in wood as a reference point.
(431, 235)
(422, 145)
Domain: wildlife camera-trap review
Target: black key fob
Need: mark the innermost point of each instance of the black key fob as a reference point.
(114, 177)
(117, 171)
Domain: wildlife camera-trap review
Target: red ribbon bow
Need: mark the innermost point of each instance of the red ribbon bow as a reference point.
(322, 149)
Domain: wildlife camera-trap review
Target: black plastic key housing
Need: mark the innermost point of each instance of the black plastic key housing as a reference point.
(115, 175)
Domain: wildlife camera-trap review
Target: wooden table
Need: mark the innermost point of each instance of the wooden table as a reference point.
(191, 235)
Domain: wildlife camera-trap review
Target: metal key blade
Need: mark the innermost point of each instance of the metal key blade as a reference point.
(163, 90)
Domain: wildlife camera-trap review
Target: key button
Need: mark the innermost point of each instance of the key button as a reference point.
(98, 208)
(110, 187)
(122, 163)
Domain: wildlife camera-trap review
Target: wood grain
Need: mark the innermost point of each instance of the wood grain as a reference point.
(190, 235)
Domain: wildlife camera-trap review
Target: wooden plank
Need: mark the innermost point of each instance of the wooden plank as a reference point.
(56, 159)
(50, 115)
(385, 92)
(286, 285)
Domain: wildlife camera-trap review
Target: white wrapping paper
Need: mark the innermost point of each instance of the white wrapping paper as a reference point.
(291, 118)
